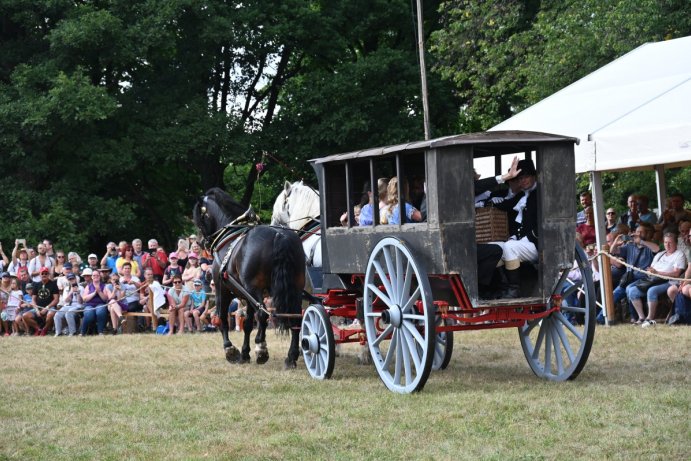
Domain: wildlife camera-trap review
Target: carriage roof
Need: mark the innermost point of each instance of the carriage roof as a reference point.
(499, 141)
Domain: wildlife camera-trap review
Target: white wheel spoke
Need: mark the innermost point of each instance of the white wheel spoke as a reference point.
(557, 349)
(575, 309)
(406, 353)
(399, 275)
(384, 334)
(538, 342)
(412, 347)
(392, 275)
(548, 347)
(382, 276)
(564, 340)
(411, 301)
(569, 326)
(412, 329)
(388, 301)
(390, 353)
(399, 358)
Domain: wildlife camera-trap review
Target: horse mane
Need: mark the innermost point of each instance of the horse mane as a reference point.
(223, 199)
(304, 203)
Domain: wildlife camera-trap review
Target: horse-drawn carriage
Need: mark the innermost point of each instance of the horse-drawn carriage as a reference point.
(412, 285)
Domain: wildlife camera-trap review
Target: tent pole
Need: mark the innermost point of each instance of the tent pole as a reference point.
(661, 188)
(600, 232)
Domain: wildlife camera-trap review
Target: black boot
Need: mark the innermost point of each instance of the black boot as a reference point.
(512, 289)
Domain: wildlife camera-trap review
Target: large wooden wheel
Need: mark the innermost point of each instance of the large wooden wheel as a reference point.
(317, 342)
(557, 347)
(399, 317)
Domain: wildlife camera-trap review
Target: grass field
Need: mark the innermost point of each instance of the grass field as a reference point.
(152, 397)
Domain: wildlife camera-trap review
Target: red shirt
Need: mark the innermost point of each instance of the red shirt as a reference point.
(157, 262)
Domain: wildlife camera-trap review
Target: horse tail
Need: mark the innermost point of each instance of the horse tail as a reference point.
(286, 294)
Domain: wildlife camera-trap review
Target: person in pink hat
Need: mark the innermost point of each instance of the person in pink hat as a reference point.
(173, 269)
(192, 271)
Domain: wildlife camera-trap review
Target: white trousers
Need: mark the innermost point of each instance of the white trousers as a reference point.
(523, 250)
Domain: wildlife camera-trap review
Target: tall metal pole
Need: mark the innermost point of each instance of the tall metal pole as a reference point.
(423, 72)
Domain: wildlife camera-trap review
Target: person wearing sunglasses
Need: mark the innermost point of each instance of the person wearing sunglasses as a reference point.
(178, 298)
(611, 220)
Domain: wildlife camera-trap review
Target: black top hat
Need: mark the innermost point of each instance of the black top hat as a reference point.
(527, 168)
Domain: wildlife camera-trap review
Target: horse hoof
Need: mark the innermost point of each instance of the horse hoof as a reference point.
(262, 357)
(364, 358)
(232, 354)
(290, 364)
(243, 360)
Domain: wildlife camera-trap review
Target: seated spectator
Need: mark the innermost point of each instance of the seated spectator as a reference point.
(95, 301)
(586, 199)
(110, 258)
(631, 217)
(367, 211)
(637, 251)
(197, 308)
(87, 276)
(192, 272)
(12, 309)
(645, 214)
(158, 261)
(683, 241)
(611, 220)
(130, 285)
(210, 311)
(139, 255)
(19, 266)
(172, 270)
(71, 301)
(670, 263)
(178, 298)
(127, 256)
(152, 296)
(59, 262)
(4, 261)
(393, 209)
(77, 264)
(675, 212)
(25, 307)
(617, 270)
(40, 261)
(92, 262)
(183, 252)
(45, 300)
(587, 229)
(117, 302)
(4, 296)
(682, 289)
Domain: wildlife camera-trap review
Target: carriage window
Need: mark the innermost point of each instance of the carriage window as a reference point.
(335, 193)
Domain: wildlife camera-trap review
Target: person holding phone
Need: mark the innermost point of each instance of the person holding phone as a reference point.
(637, 250)
(71, 305)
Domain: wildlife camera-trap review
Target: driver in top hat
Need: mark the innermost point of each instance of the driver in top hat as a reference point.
(523, 230)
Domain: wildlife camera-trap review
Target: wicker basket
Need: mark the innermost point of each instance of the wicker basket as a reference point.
(491, 225)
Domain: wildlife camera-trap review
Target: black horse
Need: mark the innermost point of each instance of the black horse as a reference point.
(266, 261)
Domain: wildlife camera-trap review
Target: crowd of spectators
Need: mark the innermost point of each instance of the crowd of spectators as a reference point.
(660, 246)
(49, 291)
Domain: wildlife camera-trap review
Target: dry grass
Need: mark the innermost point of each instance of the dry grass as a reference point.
(152, 397)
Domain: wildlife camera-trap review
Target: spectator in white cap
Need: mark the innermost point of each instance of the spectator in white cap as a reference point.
(92, 262)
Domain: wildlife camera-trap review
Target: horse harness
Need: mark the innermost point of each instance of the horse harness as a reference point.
(233, 233)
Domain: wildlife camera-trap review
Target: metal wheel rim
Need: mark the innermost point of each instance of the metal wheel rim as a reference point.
(557, 347)
(402, 353)
(316, 331)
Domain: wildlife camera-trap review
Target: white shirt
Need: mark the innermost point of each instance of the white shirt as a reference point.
(662, 262)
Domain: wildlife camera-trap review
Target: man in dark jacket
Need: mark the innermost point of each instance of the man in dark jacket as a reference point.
(523, 227)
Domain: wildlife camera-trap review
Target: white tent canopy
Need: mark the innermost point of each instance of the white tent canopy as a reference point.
(634, 112)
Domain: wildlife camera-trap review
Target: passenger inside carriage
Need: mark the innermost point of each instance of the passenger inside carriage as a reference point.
(392, 214)
(522, 210)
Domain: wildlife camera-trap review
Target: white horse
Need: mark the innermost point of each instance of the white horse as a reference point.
(295, 207)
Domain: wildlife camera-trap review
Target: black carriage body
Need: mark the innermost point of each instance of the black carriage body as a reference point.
(446, 243)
